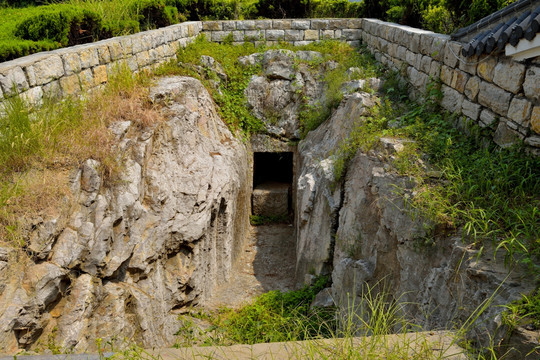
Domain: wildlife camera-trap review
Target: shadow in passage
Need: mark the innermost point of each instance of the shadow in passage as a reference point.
(266, 263)
(275, 256)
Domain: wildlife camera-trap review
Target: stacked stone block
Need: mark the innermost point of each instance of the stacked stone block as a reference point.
(70, 70)
(295, 31)
(492, 91)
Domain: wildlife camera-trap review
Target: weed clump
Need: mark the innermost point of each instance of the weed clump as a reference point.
(272, 317)
(39, 147)
(490, 193)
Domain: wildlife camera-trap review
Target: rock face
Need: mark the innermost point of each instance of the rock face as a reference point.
(277, 96)
(318, 200)
(135, 253)
(359, 231)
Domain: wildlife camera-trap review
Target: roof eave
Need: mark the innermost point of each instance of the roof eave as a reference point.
(525, 49)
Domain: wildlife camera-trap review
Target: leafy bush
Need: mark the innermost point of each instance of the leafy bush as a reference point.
(65, 25)
(213, 10)
(280, 9)
(437, 18)
(12, 49)
(334, 9)
(155, 13)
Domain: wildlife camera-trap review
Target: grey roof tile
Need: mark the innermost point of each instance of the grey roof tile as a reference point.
(509, 25)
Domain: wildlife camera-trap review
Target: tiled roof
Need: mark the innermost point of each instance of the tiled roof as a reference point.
(519, 20)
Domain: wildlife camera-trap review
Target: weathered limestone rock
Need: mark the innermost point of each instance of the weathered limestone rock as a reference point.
(486, 68)
(452, 100)
(318, 202)
(509, 75)
(48, 69)
(494, 98)
(359, 231)
(287, 79)
(13, 79)
(505, 136)
(535, 119)
(135, 253)
(531, 85)
(520, 110)
(211, 64)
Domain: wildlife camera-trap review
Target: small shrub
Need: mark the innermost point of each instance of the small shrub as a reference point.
(334, 9)
(438, 19)
(214, 10)
(65, 25)
(275, 316)
(155, 14)
(13, 49)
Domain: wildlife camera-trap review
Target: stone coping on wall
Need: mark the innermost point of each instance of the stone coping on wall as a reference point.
(496, 93)
(295, 31)
(69, 70)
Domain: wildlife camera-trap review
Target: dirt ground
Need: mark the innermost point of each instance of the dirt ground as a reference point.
(267, 263)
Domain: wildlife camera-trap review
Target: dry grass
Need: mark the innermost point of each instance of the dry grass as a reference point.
(59, 137)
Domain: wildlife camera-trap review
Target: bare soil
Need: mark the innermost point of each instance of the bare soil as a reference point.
(267, 263)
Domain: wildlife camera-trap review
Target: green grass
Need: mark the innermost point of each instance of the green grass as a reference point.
(358, 329)
(274, 316)
(272, 219)
(524, 312)
(39, 146)
(488, 192)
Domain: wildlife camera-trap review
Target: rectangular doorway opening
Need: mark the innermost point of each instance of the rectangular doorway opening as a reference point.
(272, 183)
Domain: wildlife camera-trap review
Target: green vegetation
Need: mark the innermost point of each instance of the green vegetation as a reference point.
(524, 312)
(356, 330)
(346, 57)
(490, 193)
(256, 220)
(38, 147)
(272, 317)
(31, 26)
(442, 16)
(38, 28)
(229, 93)
(288, 316)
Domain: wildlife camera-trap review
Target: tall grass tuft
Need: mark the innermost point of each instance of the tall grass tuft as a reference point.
(39, 146)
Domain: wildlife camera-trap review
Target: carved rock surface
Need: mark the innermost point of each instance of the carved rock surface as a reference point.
(318, 200)
(359, 231)
(133, 254)
(276, 96)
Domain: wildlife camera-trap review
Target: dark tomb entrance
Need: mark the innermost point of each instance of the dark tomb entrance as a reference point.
(272, 183)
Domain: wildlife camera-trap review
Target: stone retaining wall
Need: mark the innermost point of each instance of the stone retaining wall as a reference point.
(66, 71)
(494, 92)
(298, 32)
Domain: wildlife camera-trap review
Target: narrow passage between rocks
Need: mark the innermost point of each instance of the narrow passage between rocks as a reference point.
(267, 263)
